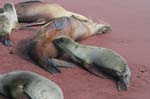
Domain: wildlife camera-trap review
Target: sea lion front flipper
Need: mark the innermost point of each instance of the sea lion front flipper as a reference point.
(91, 68)
(78, 18)
(51, 67)
(6, 40)
(61, 63)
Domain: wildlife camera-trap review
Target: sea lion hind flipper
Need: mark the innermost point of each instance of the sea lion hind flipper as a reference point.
(51, 67)
(61, 63)
(92, 68)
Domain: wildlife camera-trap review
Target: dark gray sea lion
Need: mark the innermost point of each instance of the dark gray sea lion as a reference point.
(97, 60)
(8, 21)
(28, 85)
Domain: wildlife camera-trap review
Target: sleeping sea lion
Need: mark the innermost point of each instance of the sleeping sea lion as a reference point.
(96, 60)
(8, 21)
(40, 12)
(41, 49)
(28, 85)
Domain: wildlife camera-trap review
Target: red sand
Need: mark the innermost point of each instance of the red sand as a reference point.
(130, 20)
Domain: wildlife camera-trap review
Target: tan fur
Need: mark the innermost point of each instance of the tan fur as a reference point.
(34, 11)
(41, 47)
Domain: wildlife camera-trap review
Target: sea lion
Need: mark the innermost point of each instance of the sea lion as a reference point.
(96, 60)
(28, 85)
(41, 49)
(8, 21)
(41, 12)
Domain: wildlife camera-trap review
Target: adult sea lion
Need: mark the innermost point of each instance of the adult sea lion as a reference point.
(41, 48)
(97, 60)
(42, 12)
(8, 21)
(28, 85)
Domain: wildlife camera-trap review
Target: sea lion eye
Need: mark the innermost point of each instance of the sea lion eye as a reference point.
(61, 40)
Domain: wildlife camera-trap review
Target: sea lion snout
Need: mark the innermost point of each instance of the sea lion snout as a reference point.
(124, 81)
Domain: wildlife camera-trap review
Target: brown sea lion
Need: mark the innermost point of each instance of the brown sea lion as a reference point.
(41, 48)
(8, 21)
(96, 60)
(28, 85)
(42, 12)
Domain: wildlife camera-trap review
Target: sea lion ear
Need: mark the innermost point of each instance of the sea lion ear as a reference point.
(9, 7)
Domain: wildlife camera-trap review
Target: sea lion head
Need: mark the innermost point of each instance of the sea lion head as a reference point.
(64, 42)
(98, 28)
(124, 79)
(8, 7)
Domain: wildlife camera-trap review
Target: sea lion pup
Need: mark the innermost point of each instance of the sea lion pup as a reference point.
(28, 85)
(8, 21)
(96, 60)
(41, 49)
